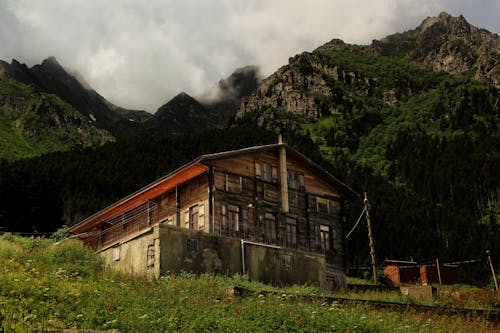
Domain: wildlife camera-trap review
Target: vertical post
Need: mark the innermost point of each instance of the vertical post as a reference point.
(177, 207)
(492, 270)
(283, 177)
(370, 238)
(308, 223)
(438, 270)
(211, 200)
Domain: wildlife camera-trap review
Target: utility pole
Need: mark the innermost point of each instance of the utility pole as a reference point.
(438, 270)
(370, 238)
(492, 270)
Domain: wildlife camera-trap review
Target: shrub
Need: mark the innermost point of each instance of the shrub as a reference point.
(73, 257)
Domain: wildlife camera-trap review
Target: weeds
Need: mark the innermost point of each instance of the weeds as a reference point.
(46, 285)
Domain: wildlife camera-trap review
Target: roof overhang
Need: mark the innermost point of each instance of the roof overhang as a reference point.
(141, 196)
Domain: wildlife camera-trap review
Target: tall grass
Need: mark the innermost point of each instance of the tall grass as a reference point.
(64, 285)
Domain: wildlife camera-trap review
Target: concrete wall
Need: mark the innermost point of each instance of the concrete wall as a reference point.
(138, 254)
(198, 252)
(284, 266)
(165, 249)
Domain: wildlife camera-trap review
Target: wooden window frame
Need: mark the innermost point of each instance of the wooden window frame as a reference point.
(325, 237)
(193, 223)
(291, 231)
(232, 223)
(270, 227)
(229, 183)
(296, 180)
(266, 171)
(322, 201)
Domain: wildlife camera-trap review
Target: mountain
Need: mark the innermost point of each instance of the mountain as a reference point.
(184, 114)
(447, 43)
(241, 83)
(33, 122)
(328, 80)
(94, 120)
(50, 77)
(413, 119)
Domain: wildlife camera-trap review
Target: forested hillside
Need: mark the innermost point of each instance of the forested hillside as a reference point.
(425, 144)
(42, 194)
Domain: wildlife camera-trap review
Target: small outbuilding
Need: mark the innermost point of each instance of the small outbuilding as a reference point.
(431, 273)
(400, 271)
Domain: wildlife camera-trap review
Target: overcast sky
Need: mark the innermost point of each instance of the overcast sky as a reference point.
(139, 54)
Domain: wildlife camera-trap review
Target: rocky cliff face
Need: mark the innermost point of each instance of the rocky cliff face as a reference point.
(449, 44)
(334, 77)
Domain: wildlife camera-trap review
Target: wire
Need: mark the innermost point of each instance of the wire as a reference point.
(357, 222)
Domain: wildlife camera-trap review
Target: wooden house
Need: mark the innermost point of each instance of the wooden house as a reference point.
(267, 211)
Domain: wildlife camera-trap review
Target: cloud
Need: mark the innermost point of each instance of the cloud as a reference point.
(139, 54)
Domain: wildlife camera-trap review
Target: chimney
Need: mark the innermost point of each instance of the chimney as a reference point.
(283, 176)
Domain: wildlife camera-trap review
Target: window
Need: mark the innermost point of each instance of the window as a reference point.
(266, 171)
(233, 218)
(193, 217)
(150, 260)
(322, 205)
(291, 232)
(233, 183)
(116, 253)
(270, 227)
(325, 237)
(295, 180)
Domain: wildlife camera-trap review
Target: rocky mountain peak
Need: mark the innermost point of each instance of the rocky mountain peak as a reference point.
(447, 43)
(322, 83)
(51, 61)
(181, 103)
(446, 25)
(180, 100)
(241, 82)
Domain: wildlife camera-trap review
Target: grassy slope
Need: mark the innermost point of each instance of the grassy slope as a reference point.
(14, 144)
(64, 286)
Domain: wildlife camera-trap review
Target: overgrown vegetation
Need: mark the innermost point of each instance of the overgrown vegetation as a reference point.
(64, 285)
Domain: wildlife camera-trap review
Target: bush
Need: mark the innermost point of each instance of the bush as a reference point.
(74, 258)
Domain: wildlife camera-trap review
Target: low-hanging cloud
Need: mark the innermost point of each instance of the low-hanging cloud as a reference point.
(139, 54)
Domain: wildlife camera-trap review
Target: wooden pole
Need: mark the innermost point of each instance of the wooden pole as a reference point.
(283, 178)
(492, 270)
(438, 270)
(370, 238)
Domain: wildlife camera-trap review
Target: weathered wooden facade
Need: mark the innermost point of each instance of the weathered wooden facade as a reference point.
(269, 195)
